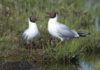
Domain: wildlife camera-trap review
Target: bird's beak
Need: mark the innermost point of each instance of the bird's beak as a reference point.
(37, 18)
(26, 21)
(47, 14)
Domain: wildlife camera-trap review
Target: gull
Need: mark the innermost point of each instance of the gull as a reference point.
(32, 32)
(61, 31)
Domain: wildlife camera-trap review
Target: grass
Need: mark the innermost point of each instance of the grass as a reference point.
(71, 12)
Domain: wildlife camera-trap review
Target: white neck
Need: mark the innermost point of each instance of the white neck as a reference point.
(32, 24)
(53, 19)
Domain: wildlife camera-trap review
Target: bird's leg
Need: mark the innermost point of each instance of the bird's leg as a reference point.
(28, 49)
(58, 43)
(31, 47)
(28, 46)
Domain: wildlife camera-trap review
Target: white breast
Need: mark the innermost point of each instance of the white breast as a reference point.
(52, 28)
(31, 33)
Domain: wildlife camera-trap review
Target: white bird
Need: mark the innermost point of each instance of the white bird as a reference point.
(59, 30)
(32, 32)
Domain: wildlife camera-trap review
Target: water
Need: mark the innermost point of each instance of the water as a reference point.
(85, 66)
(97, 23)
(88, 4)
(90, 62)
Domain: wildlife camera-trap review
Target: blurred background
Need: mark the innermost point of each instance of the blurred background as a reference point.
(81, 15)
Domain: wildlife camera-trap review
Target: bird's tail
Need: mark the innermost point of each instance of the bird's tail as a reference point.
(83, 34)
(76, 34)
(80, 34)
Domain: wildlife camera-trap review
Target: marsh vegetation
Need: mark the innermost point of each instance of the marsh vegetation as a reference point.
(13, 22)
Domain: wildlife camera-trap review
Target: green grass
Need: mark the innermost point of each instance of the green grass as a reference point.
(13, 22)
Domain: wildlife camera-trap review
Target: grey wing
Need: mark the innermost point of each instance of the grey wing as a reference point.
(24, 35)
(64, 26)
(66, 33)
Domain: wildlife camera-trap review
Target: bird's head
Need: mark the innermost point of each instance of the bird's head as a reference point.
(52, 14)
(32, 18)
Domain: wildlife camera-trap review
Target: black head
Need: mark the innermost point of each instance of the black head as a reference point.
(53, 14)
(33, 18)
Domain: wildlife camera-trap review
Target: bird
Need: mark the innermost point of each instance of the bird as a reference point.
(32, 32)
(60, 30)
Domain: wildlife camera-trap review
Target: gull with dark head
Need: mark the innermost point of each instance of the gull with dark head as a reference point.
(32, 32)
(59, 30)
